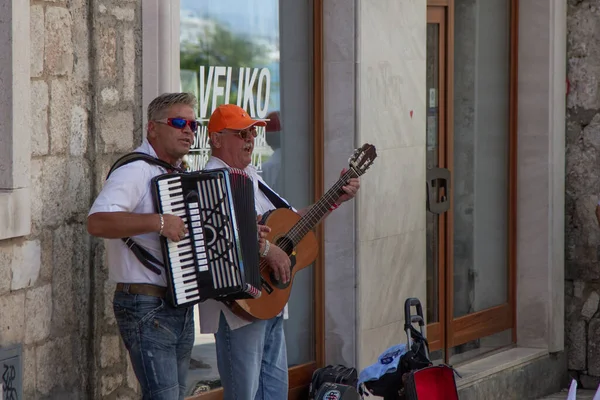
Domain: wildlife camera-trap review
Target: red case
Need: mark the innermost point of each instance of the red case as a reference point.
(431, 383)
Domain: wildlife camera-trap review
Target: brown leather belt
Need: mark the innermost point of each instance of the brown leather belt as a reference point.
(142, 288)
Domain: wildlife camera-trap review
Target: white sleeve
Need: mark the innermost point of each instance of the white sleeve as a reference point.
(124, 189)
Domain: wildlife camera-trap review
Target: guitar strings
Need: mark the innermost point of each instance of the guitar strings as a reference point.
(317, 211)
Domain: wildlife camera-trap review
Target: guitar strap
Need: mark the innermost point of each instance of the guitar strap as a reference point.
(147, 259)
(277, 201)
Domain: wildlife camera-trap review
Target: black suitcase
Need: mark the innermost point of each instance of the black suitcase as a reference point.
(338, 374)
(337, 391)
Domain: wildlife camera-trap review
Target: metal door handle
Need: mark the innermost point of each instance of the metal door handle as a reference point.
(438, 178)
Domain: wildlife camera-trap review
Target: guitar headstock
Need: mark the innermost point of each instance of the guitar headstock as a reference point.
(363, 158)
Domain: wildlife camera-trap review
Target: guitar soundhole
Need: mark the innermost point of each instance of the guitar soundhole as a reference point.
(285, 244)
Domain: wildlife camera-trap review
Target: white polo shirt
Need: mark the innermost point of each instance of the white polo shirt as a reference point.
(128, 190)
(210, 310)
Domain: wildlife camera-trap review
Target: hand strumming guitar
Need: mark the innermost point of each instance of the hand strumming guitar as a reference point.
(279, 262)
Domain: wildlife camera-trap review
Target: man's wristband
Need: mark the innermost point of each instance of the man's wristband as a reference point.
(162, 224)
(334, 206)
(266, 250)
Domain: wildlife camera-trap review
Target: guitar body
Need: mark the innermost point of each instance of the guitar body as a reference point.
(275, 295)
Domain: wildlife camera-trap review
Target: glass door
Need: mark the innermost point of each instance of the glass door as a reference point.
(470, 175)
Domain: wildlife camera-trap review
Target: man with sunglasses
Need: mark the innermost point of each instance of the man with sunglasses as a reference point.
(251, 356)
(158, 337)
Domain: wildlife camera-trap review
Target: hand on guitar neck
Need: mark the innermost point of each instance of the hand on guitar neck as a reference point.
(350, 189)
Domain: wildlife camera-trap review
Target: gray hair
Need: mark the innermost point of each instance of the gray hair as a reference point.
(158, 107)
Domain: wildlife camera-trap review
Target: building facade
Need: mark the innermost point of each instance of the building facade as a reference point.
(480, 202)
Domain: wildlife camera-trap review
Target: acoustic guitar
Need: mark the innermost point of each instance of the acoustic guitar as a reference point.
(294, 235)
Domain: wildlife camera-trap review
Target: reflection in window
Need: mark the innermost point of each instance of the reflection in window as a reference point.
(256, 54)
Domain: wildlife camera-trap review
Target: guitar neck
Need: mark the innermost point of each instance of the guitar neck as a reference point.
(318, 210)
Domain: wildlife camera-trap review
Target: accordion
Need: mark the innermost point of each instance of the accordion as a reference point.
(219, 257)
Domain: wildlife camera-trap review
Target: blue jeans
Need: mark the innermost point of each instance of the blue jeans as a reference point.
(159, 339)
(252, 360)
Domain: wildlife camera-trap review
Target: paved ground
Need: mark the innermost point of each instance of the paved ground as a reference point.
(581, 395)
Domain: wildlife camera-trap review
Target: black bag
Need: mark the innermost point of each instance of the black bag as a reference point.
(337, 391)
(332, 374)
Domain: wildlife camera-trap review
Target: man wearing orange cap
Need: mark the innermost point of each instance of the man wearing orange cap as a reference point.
(251, 356)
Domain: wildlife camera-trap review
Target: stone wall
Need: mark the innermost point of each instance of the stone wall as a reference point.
(582, 268)
(117, 114)
(86, 110)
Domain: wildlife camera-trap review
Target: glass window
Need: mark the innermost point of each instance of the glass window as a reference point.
(481, 139)
(256, 54)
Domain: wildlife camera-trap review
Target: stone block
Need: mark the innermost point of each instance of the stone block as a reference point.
(58, 47)
(129, 58)
(29, 372)
(77, 193)
(37, 205)
(60, 110)
(6, 256)
(123, 14)
(110, 96)
(109, 314)
(45, 239)
(79, 13)
(110, 351)
(125, 397)
(593, 352)
(132, 381)
(576, 345)
(578, 288)
(56, 365)
(584, 270)
(531, 380)
(37, 36)
(26, 264)
(110, 383)
(107, 52)
(39, 120)
(79, 131)
(116, 131)
(591, 305)
(12, 318)
(38, 309)
(54, 194)
(63, 290)
(589, 382)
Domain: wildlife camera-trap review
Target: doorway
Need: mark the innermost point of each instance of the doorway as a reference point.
(470, 171)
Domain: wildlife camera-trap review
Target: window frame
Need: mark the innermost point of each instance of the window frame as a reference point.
(160, 60)
(15, 152)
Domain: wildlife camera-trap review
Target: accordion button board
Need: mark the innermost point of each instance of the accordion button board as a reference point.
(218, 258)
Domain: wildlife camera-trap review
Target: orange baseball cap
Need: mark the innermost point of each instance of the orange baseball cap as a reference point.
(230, 116)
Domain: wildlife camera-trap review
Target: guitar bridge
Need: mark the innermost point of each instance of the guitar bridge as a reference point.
(266, 286)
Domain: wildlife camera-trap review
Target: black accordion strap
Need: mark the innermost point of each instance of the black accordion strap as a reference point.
(142, 254)
(135, 156)
(147, 259)
(277, 201)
